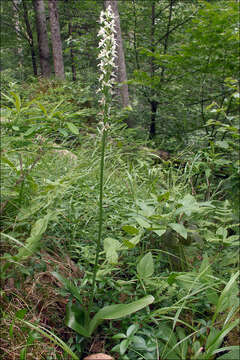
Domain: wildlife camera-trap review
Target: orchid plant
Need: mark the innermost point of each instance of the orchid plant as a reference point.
(77, 316)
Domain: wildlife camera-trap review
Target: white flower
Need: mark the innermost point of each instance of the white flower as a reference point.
(107, 45)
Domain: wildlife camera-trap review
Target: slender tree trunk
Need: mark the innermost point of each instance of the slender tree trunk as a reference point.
(74, 73)
(19, 51)
(56, 39)
(152, 131)
(153, 103)
(30, 36)
(70, 30)
(41, 26)
(120, 62)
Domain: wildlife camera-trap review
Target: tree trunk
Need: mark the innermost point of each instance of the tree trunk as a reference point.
(74, 74)
(152, 131)
(70, 30)
(120, 62)
(30, 36)
(19, 50)
(153, 104)
(56, 39)
(41, 26)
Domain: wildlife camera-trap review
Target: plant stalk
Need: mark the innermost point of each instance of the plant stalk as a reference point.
(98, 246)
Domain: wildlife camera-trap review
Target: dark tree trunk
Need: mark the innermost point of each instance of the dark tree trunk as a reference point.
(153, 104)
(120, 62)
(41, 26)
(56, 39)
(152, 131)
(30, 36)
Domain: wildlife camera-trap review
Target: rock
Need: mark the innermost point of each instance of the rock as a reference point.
(99, 356)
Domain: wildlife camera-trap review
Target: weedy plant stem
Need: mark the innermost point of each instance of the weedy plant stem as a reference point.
(103, 144)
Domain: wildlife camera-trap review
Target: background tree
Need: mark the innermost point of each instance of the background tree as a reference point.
(19, 51)
(56, 39)
(42, 35)
(120, 60)
(30, 36)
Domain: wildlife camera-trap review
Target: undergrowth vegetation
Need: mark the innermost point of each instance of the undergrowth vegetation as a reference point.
(170, 230)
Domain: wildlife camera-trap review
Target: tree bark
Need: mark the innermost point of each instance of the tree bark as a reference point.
(152, 131)
(74, 73)
(56, 39)
(19, 50)
(44, 54)
(70, 31)
(30, 36)
(153, 103)
(120, 61)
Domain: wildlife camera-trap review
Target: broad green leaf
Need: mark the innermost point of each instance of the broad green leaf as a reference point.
(188, 205)
(225, 294)
(180, 229)
(73, 128)
(124, 345)
(17, 101)
(145, 267)
(160, 232)
(111, 246)
(214, 342)
(142, 222)
(140, 343)
(234, 353)
(119, 336)
(31, 130)
(43, 109)
(132, 329)
(146, 210)
(76, 319)
(130, 229)
(130, 244)
(113, 312)
(33, 242)
(25, 213)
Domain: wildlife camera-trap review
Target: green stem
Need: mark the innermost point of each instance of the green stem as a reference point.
(103, 141)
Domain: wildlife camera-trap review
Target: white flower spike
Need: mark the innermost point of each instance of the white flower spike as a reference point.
(107, 45)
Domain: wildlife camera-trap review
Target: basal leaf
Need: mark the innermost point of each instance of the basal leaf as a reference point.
(75, 319)
(118, 311)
